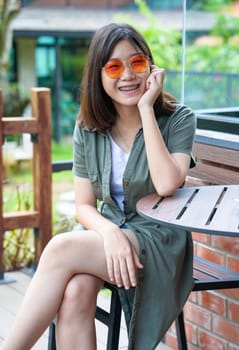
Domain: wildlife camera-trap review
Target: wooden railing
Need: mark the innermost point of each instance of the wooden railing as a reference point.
(39, 127)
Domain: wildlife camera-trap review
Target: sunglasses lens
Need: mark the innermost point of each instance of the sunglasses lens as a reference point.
(114, 69)
(139, 63)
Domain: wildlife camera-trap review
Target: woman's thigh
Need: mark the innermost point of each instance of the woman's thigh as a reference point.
(81, 253)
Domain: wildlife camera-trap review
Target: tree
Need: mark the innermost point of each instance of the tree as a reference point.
(8, 10)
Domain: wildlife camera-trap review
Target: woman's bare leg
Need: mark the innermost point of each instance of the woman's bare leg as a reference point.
(65, 255)
(76, 317)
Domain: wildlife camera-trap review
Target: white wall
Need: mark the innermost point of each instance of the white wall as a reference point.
(26, 63)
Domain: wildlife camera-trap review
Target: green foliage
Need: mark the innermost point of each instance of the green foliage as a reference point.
(73, 64)
(223, 58)
(225, 26)
(18, 250)
(15, 101)
(18, 247)
(210, 5)
(165, 44)
(218, 58)
(63, 150)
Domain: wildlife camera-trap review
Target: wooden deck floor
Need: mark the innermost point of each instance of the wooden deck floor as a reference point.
(11, 295)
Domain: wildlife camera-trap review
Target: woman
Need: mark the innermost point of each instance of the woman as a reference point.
(131, 139)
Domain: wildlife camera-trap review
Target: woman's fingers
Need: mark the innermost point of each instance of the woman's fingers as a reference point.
(137, 262)
(125, 270)
(110, 268)
(118, 274)
(156, 77)
(131, 271)
(122, 263)
(125, 274)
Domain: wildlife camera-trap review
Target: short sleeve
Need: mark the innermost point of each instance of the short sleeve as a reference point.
(181, 131)
(79, 162)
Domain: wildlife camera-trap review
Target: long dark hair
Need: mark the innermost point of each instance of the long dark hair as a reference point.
(97, 110)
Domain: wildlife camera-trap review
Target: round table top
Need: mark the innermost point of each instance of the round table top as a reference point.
(206, 209)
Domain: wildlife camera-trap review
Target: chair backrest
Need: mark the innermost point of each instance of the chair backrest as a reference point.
(217, 164)
(39, 127)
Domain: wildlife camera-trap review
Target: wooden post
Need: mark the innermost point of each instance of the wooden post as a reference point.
(42, 168)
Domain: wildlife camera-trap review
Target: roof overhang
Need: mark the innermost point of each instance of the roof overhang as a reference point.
(77, 22)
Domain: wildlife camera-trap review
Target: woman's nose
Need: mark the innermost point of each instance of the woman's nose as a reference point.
(128, 73)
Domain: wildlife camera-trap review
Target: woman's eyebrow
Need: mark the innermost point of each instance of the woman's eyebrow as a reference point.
(131, 55)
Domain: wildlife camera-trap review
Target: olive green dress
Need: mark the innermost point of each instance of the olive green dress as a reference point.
(166, 279)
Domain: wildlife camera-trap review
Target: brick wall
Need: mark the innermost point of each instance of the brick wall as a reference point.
(212, 317)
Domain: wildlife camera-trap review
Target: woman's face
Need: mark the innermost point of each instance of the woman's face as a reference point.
(130, 86)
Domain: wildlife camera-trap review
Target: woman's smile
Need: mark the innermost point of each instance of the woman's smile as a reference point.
(130, 88)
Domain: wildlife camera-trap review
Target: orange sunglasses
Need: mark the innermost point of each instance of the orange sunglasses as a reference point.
(138, 63)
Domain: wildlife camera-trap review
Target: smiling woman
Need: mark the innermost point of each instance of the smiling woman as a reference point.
(131, 139)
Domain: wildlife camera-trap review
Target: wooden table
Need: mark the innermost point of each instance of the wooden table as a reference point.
(206, 209)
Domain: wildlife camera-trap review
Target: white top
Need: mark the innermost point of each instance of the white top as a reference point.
(119, 159)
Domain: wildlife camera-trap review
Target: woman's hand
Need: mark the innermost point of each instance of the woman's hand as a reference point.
(121, 257)
(154, 87)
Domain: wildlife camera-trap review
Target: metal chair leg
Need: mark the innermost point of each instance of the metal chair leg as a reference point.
(52, 336)
(114, 322)
(181, 334)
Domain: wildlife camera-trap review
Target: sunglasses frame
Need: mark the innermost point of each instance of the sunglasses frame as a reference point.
(122, 67)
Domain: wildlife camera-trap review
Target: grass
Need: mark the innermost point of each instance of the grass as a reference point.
(62, 151)
(17, 190)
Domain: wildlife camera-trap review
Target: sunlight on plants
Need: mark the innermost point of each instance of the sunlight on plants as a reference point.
(18, 244)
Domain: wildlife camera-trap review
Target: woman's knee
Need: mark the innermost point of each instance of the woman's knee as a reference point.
(80, 294)
(55, 250)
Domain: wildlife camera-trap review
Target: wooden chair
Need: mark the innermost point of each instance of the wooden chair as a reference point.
(39, 127)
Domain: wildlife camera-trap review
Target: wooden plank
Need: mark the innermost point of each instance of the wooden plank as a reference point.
(215, 165)
(169, 208)
(213, 175)
(166, 208)
(20, 219)
(201, 265)
(19, 125)
(203, 202)
(219, 155)
(227, 212)
(11, 297)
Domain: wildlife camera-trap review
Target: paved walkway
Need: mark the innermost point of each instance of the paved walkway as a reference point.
(11, 296)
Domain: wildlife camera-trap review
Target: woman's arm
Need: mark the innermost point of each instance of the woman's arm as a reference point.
(121, 258)
(168, 171)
